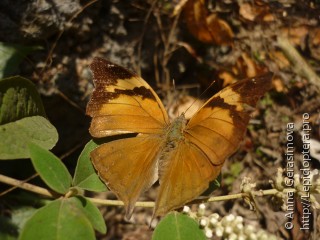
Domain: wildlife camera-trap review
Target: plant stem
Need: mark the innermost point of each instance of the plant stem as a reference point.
(47, 193)
(300, 66)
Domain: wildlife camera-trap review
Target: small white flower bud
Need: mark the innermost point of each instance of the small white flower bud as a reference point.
(230, 217)
(239, 219)
(226, 220)
(219, 231)
(203, 222)
(233, 236)
(241, 237)
(186, 209)
(201, 210)
(252, 236)
(248, 230)
(238, 227)
(228, 230)
(213, 221)
(208, 233)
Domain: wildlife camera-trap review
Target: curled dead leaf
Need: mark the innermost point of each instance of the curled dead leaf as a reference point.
(314, 43)
(296, 35)
(278, 85)
(206, 27)
(280, 59)
(253, 12)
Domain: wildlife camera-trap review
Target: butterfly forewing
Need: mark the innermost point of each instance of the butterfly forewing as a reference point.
(122, 102)
(218, 127)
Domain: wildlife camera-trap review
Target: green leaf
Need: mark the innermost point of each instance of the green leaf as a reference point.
(11, 56)
(62, 219)
(93, 214)
(177, 226)
(16, 136)
(50, 168)
(18, 99)
(85, 176)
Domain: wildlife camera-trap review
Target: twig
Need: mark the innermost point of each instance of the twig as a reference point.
(47, 193)
(21, 181)
(300, 66)
(26, 186)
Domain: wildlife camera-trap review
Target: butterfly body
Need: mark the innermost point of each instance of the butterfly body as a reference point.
(176, 129)
(185, 156)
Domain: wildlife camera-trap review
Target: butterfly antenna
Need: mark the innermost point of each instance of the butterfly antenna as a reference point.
(200, 95)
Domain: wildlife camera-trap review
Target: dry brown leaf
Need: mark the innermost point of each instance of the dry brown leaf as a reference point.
(244, 67)
(314, 43)
(206, 27)
(187, 104)
(227, 77)
(280, 59)
(268, 18)
(220, 30)
(178, 8)
(296, 35)
(247, 67)
(278, 85)
(247, 12)
(253, 12)
(251, 66)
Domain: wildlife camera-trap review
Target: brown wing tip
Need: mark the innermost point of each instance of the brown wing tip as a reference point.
(129, 211)
(108, 72)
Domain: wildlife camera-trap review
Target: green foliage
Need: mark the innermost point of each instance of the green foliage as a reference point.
(18, 99)
(22, 206)
(177, 226)
(85, 176)
(60, 219)
(11, 56)
(50, 168)
(93, 214)
(22, 119)
(16, 136)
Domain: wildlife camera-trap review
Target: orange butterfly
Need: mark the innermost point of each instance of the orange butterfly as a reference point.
(184, 155)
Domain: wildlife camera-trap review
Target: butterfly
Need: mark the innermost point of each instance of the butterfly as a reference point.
(184, 155)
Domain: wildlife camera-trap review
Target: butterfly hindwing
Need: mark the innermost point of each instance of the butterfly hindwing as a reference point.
(123, 102)
(128, 166)
(184, 175)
